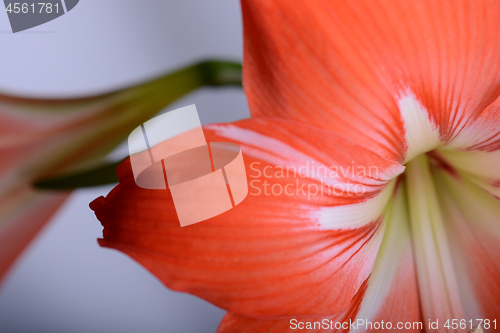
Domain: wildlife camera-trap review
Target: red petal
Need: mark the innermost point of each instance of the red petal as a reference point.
(345, 66)
(236, 323)
(24, 213)
(270, 255)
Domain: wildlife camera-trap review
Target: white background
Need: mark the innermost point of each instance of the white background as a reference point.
(65, 282)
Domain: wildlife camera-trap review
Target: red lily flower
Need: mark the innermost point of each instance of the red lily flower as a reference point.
(408, 88)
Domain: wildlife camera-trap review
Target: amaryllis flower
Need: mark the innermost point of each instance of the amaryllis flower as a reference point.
(398, 102)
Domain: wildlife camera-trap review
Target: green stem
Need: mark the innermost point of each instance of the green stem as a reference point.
(158, 94)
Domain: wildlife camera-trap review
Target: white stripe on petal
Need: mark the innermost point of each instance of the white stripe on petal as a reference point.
(422, 135)
(358, 214)
(392, 258)
(281, 153)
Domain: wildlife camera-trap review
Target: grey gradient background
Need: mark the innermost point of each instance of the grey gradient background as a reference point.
(65, 282)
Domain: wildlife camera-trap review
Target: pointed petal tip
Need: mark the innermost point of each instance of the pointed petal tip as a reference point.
(97, 203)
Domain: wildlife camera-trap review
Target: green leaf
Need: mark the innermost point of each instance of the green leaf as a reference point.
(152, 96)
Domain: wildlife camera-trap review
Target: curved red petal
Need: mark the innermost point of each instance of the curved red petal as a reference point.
(272, 255)
(339, 323)
(346, 66)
